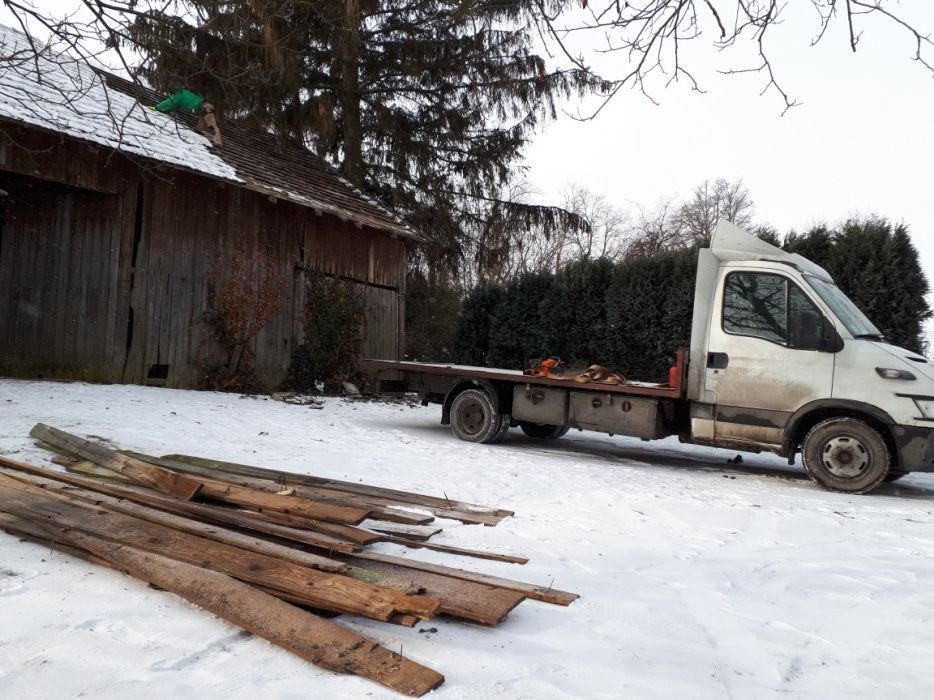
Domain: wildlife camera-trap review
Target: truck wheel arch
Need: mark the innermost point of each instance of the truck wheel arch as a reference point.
(814, 412)
(500, 401)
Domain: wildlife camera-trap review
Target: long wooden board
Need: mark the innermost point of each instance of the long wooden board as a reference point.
(194, 527)
(457, 510)
(466, 600)
(328, 590)
(172, 483)
(318, 641)
(186, 487)
(200, 511)
(546, 594)
(462, 551)
(377, 510)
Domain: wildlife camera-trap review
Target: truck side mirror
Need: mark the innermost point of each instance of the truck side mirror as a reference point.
(806, 329)
(811, 330)
(830, 340)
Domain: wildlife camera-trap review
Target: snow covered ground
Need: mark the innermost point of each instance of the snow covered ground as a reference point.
(698, 578)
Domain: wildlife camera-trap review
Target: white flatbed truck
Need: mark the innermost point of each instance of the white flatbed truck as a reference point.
(780, 360)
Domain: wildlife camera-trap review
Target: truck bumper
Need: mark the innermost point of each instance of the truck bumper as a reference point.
(915, 448)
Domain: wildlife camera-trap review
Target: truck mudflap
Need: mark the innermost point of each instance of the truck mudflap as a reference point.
(915, 447)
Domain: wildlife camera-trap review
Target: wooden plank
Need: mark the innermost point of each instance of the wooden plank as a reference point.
(458, 510)
(184, 486)
(414, 532)
(476, 553)
(158, 478)
(466, 600)
(546, 594)
(318, 588)
(344, 532)
(271, 486)
(194, 527)
(201, 511)
(319, 641)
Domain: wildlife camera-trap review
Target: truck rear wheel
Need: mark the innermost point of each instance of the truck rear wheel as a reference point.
(542, 432)
(474, 417)
(846, 454)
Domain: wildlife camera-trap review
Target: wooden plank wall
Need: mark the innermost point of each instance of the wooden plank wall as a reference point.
(108, 281)
(60, 282)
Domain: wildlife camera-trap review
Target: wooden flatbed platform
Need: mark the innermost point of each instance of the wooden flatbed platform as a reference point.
(512, 376)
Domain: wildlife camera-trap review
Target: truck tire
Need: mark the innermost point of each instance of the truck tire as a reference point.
(846, 454)
(542, 432)
(474, 417)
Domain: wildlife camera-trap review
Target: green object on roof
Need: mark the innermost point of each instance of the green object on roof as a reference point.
(183, 98)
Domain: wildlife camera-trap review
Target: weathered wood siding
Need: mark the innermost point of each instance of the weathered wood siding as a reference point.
(106, 279)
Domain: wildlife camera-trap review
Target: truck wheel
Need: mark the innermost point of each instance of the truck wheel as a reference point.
(542, 432)
(846, 454)
(474, 417)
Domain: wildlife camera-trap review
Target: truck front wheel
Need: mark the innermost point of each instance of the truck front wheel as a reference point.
(542, 432)
(846, 454)
(474, 417)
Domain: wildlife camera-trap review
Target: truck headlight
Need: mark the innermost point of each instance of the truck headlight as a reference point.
(886, 373)
(926, 406)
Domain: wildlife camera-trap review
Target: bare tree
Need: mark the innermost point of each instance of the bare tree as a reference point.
(651, 34)
(712, 201)
(607, 236)
(508, 244)
(658, 230)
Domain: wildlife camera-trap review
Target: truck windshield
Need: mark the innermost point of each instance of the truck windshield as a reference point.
(844, 309)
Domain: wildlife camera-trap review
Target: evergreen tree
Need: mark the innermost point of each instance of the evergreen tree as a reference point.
(472, 344)
(517, 326)
(430, 319)
(425, 104)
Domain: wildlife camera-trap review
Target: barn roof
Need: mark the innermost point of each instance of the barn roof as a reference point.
(58, 92)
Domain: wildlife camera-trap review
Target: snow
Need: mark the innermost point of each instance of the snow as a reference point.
(698, 578)
(55, 91)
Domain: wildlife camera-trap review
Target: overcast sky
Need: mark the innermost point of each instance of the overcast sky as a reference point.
(862, 140)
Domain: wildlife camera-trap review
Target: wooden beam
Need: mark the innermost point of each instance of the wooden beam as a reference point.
(465, 600)
(318, 641)
(377, 510)
(443, 507)
(186, 487)
(318, 588)
(201, 511)
(476, 553)
(172, 483)
(194, 527)
(546, 594)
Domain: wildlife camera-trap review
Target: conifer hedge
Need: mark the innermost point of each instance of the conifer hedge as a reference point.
(631, 315)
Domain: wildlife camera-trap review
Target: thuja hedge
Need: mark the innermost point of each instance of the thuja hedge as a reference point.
(629, 316)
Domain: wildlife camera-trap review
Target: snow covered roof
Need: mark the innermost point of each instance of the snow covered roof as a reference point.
(58, 92)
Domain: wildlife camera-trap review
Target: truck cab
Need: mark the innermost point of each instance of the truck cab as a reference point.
(782, 360)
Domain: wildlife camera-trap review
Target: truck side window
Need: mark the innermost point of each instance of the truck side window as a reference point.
(771, 307)
(756, 304)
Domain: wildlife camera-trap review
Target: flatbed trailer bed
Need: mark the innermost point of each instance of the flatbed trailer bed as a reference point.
(482, 403)
(412, 370)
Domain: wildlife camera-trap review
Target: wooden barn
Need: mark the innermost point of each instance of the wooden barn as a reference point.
(113, 216)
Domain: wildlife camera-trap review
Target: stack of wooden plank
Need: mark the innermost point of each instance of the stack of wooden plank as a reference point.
(268, 550)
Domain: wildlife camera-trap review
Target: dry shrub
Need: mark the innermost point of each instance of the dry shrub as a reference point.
(240, 303)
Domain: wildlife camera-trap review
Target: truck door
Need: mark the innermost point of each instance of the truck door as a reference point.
(763, 361)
